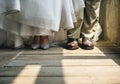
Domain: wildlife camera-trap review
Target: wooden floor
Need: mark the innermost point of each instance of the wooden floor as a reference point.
(60, 66)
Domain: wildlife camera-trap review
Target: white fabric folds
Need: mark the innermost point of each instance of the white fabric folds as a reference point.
(2, 6)
(43, 14)
(9, 6)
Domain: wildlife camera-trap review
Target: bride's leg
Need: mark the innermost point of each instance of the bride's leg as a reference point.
(41, 40)
(44, 42)
(44, 38)
(36, 42)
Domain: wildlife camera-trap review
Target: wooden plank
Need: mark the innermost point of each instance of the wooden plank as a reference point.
(60, 50)
(6, 56)
(59, 80)
(39, 71)
(66, 62)
(8, 51)
(67, 56)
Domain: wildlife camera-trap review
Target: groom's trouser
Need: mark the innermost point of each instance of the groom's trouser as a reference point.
(88, 24)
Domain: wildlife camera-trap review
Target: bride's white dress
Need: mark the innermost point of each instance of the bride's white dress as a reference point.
(38, 17)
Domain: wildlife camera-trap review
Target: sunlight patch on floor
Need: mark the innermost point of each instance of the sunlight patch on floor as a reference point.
(26, 71)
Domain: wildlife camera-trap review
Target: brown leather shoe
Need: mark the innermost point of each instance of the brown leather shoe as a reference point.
(72, 44)
(87, 43)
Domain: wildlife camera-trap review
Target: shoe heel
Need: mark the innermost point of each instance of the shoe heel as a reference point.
(35, 46)
(45, 46)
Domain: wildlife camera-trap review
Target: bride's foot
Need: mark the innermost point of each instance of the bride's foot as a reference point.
(44, 42)
(36, 43)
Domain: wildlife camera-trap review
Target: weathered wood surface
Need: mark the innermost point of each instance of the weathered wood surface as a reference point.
(110, 20)
(60, 66)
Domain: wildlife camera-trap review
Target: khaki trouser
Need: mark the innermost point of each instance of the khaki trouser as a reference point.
(89, 26)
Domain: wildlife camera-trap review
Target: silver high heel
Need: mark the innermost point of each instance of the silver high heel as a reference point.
(35, 46)
(45, 46)
(44, 42)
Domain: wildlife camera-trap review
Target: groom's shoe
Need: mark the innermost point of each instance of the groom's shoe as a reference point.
(72, 44)
(87, 43)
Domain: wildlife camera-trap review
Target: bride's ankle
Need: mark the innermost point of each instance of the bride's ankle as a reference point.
(44, 42)
(44, 39)
(36, 40)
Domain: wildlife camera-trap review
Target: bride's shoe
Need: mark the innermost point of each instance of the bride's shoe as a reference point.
(35, 46)
(44, 42)
(36, 43)
(45, 46)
